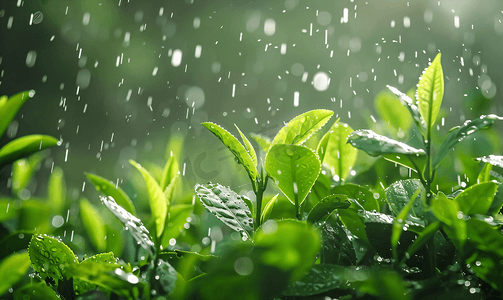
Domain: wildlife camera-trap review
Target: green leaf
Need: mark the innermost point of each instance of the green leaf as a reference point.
(322, 210)
(399, 222)
(169, 173)
(16, 241)
(295, 168)
(374, 145)
(336, 247)
(446, 211)
(411, 107)
(10, 107)
(391, 110)
(131, 223)
(93, 223)
(398, 196)
(430, 91)
(158, 203)
(170, 282)
(320, 278)
(364, 196)
(235, 147)
(24, 169)
(458, 134)
(36, 288)
(248, 146)
(486, 266)
(495, 160)
(497, 203)
(423, 238)
(12, 269)
(293, 245)
(353, 223)
(8, 209)
(300, 128)
(484, 237)
(108, 188)
(56, 191)
(227, 206)
(263, 142)
(477, 199)
(335, 152)
(48, 254)
(178, 215)
(34, 215)
(266, 213)
(485, 173)
(23, 146)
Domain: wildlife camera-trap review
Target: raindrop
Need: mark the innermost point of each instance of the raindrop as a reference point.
(321, 81)
(31, 58)
(176, 59)
(38, 17)
(83, 78)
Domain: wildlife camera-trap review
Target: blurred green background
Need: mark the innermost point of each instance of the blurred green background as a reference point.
(115, 79)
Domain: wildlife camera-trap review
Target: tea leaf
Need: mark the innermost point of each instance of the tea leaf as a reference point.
(374, 145)
(336, 247)
(9, 108)
(322, 210)
(458, 134)
(24, 169)
(335, 152)
(107, 188)
(477, 199)
(430, 91)
(227, 206)
(320, 278)
(486, 266)
(24, 146)
(178, 215)
(485, 173)
(12, 269)
(266, 213)
(48, 254)
(169, 173)
(56, 191)
(393, 111)
(248, 146)
(16, 241)
(263, 142)
(484, 237)
(93, 223)
(131, 223)
(411, 106)
(446, 211)
(364, 196)
(158, 203)
(399, 223)
(398, 196)
(235, 147)
(295, 168)
(353, 223)
(300, 128)
(423, 238)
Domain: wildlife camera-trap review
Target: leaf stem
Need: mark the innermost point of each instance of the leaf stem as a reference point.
(297, 208)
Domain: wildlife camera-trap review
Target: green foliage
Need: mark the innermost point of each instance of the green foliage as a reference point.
(94, 225)
(335, 153)
(12, 269)
(109, 189)
(10, 106)
(24, 146)
(430, 91)
(391, 110)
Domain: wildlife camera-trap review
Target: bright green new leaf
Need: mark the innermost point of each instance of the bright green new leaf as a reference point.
(131, 223)
(485, 173)
(94, 225)
(322, 210)
(353, 223)
(158, 203)
(56, 191)
(47, 254)
(477, 199)
(24, 169)
(412, 108)
(12, 269)
(300, 128)
(430, 91)
(399, 223)
(374, 144)
(170, 171)
(398, 196)
(334, 151)
(295, 169)
(266, 213)
(263, 142)
(391, 110)
(364, 196)
(248, 146)
(484, 237)
(447, 211)
(10, 107)
(25, 146)
(227, 206)
(108, 188)
(458, 134)
(235, 147)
